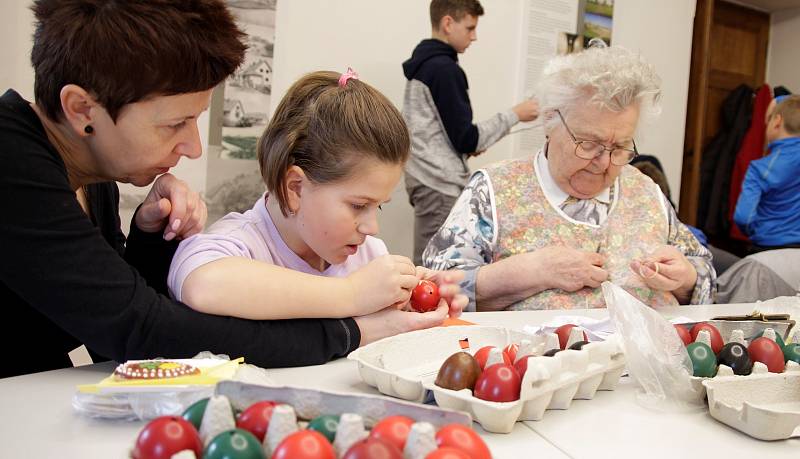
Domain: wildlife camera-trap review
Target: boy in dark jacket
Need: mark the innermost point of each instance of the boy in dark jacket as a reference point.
(437, 109)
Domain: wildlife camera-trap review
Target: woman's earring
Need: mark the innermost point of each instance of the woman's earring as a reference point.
(88, 129)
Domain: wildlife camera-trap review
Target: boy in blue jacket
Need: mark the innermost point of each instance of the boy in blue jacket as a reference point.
(768, 209)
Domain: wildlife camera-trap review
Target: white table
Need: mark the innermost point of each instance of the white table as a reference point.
(38, 420)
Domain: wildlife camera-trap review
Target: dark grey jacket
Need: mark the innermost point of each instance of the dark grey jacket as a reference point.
(437, 109)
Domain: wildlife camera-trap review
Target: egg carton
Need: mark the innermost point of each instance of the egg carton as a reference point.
(311, 403)
(748, 327)
(723, 371)
(297, 406)
(765, 406)
(549, 383)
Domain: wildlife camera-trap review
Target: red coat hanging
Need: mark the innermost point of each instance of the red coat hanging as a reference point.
(752, 148)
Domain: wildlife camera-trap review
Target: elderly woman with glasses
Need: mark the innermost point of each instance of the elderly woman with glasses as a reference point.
(544, 232)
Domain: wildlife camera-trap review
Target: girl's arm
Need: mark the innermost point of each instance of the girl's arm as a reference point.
(251, 289)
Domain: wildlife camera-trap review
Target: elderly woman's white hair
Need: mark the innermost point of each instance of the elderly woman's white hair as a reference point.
(611, 78)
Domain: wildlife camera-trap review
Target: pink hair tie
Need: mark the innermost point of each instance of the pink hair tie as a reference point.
(349, 74)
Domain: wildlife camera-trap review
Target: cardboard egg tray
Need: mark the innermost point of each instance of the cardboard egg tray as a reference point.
(759, 369)
(765, 406)
(405, 366)
(311, 403)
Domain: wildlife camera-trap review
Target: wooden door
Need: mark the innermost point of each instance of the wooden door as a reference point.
(729, 48)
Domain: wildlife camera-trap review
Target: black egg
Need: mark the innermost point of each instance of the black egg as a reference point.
(551, 352)
(578, 345)
(735, 356)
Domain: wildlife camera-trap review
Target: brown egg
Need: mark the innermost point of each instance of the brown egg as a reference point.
(459, 371)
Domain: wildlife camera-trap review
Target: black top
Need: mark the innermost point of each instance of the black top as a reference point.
(67, 279)
(435, 63)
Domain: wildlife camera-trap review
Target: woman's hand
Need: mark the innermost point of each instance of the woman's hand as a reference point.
(385, 281)
(568, 269)
(669, 271)
(392, 321)
(173, 207)
(449, 289)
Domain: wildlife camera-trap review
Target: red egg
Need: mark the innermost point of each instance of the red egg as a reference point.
(304, 444)
(563, 334)
(683, 334)
(373, 448)
(768, 352)
(162, 437)
(521, 366)
(425, 296)
(716, 338)
(393, 429)
(463, 438)
(255, 419)
(511, 351)
(498, 383)
(483, 354)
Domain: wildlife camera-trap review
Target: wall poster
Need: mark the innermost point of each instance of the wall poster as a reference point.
(552, 27)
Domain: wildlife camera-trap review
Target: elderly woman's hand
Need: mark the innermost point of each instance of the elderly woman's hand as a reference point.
(569, 269)
(173, 207)
(668, 270)
(449, 289)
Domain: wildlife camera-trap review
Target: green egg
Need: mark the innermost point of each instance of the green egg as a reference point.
(704, 362)
(234, 444)
(326, 425)
(791, 352)
(195, 412)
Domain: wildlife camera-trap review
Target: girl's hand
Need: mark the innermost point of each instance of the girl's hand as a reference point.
(385, 281)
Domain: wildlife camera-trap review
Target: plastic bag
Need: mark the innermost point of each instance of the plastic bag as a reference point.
(595, 329)
(656, 356)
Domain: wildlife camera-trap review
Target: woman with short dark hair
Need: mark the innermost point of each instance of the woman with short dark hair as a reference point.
(119, 86)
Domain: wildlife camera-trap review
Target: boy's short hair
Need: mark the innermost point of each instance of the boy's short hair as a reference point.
(125, 51)
(455, 9)
(789, 109)
(326, 128)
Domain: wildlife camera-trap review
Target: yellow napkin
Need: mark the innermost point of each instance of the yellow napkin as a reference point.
(211, 372)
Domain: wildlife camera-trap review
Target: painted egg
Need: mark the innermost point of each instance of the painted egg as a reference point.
(704, 362)
(237, 443)
(498, 383)
(459, 371)
(326, 425)
(768, 352)
(735, 356)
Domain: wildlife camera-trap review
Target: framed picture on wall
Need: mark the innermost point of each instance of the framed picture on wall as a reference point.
(233, 182)
(248, 90)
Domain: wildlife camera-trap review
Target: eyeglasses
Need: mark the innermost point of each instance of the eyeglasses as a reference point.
(589, 149)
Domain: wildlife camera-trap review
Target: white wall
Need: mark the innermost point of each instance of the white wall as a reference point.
(783, 55)
(376, 36)
(16, 30)
(662, 32)
(375, 39)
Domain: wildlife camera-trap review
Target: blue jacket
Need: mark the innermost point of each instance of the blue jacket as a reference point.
(768, 209)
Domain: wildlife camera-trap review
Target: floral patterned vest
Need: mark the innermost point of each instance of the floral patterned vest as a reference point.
(526, 221)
